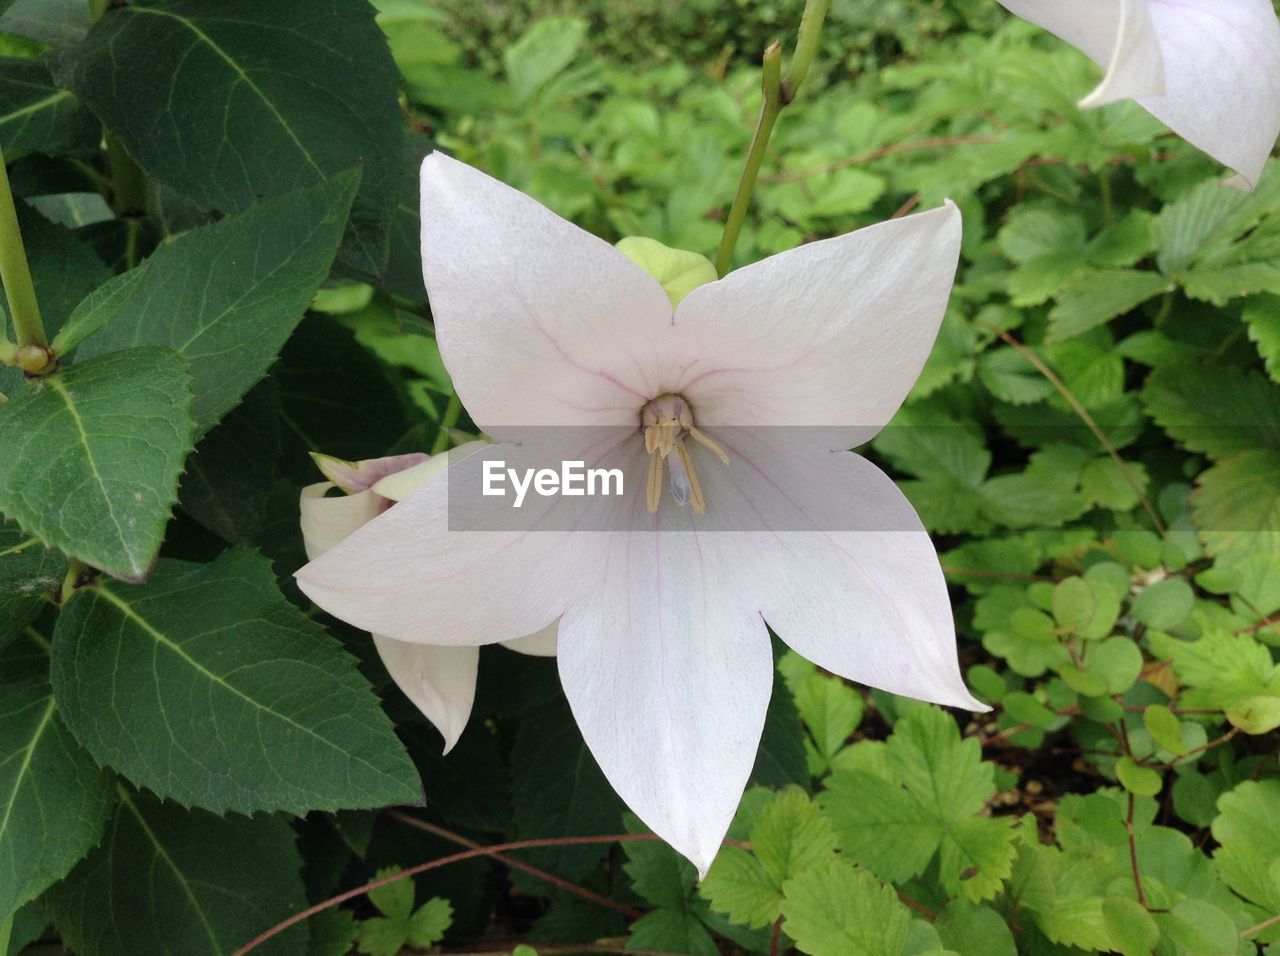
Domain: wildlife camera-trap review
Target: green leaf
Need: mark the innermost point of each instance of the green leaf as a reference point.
(99, 307)
(841, 910)
(1117, 660)
(400, 924)
(831, 709)
(674, 930)
(237, 701)
(1262, 313)
(966, 928)
(1237, 505)
(1215, 410)
(232, 101)
(1165, 604)
(657, 872)
(741, 887)
(1132, 929)
(1248, 829)
(54, 801)
(226, 296)
(199, 883)
(1199, 927)
(92, 456)
(1097, 296)
(29, 574)
(1165, 728)
(36, 115)
(1140, 781)
(543, 51)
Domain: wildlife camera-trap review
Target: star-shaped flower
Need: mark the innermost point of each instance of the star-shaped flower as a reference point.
(1207, 69)
(662, 601)
(441, 681)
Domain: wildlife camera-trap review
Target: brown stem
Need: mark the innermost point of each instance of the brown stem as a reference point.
(1259, 927)
(1133, 856)
(628, 911)
(776, 940)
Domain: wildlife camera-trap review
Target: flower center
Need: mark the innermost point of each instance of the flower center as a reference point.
(666, 422)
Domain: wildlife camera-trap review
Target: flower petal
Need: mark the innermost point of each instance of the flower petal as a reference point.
(353, 476)
(833, 333)
(1221, 67)
(539, 322)
(541, 644)
(441, 681)
(668, 672)
(327, 521)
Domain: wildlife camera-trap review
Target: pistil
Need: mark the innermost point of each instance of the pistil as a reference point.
(667, 422)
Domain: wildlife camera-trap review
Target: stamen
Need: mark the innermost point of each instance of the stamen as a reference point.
(702, 439)
(695, 487)
(653, 489)
(666, 422)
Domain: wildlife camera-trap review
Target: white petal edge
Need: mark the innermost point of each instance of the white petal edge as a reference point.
(440, 681)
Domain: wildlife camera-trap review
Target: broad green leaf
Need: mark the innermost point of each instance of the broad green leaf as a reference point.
(1132, 929)
(29, 574)
(977, 856)
(99, 307)
(1117, 660)
(92, 456)
(1011, 378)
(1215, 410)
(227, 295)
(1074, 604)
(674, 930)
(232, 101)
(1237, 506)
(1098, 296)
(1140, 781)
(197, 883)
(1262, 313)
(36, 115)
(841, 910)
(740, 886)
(966, 928)
(1165, 728)
(54, 800)
(1034, 231)
(237, 701)
(780, 761)
(657, 872)
(1165, 604)
(1199, 927)
(1248, 829)
(401, 925)
(881, 825)
(831, 709)
(542, 52)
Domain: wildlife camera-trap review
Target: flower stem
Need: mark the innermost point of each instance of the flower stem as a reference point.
(447, 421)
(32, 347)
(778, 92)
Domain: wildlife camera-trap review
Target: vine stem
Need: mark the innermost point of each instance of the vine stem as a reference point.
(778, 92)
(32, 349)
(1078, 407)
(436, 864)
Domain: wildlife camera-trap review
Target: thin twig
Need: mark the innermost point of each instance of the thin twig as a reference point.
(1259, 927)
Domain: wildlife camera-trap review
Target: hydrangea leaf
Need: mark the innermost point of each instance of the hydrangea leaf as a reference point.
(92, 456)
(237, 701)
(203, 884)
(838, 909)
(54, 800)
(28, 573)
(227, 295)
(36, 115)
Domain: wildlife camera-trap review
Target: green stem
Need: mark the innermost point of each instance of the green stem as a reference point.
(778, 92)
(1104, 187)
(6, 931)
(447, 421)
(16, 274)
(128, 180)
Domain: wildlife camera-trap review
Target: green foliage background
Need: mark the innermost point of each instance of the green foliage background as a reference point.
(189, 755)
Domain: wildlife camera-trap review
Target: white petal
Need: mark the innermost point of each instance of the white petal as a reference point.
(399, 485)
(669, 673)
(542, 644)
(326, 521)
(539, 322)
(362, 475)
(1221, 67)
(441, 681)
(833, 333)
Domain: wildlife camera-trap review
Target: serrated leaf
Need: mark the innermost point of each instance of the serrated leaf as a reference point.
(401, 924)
(841, 910)
(881, 825)
(977, 856)
(1199, 927)
(219, 101)
(29, 574)
(237, 701)
(1237, 505)
(674, 930)
(739, 886)
(544, 50)
(92, 456)
(199, 883)
(99, 307)
(227, 295)
(1248, 829)
(36, 115)
(1097, 296)
(1262, 314)
(831, 709)
(1215, 410)
(657, 872)
(54, 800)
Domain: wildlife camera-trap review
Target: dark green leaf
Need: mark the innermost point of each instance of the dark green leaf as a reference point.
(92, 456)
(36, 115)
(1214, 410)
(165, 880)
(98, 308)
(226, 296)
(236, 701)
(54, 801)
(28, 572)
(228, 101)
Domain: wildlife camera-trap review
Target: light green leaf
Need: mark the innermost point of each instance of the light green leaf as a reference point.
(36, 115)
(543, 51)
(400, 924)
(1215, 410)
(881, 825)
(1262, 313)
(1132, 929)
(92, 456)
(1117, 660)
(201, 883)
(1237, 505)
(219, 101)
(226, 296)
(739, 886)
(842, 910)
(54, 801)
(966, 928)
(1165, 728)
(1165, 604)
(831, 709)
(1248, 829)
(1140, 781)
(977, 856)
(236, 701)
(1199, 927)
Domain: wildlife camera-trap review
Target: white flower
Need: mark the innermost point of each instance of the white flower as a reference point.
(441, 681)
(1207, 69)
(780, 367)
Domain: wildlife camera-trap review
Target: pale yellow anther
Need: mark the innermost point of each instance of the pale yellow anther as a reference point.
(666, 422)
